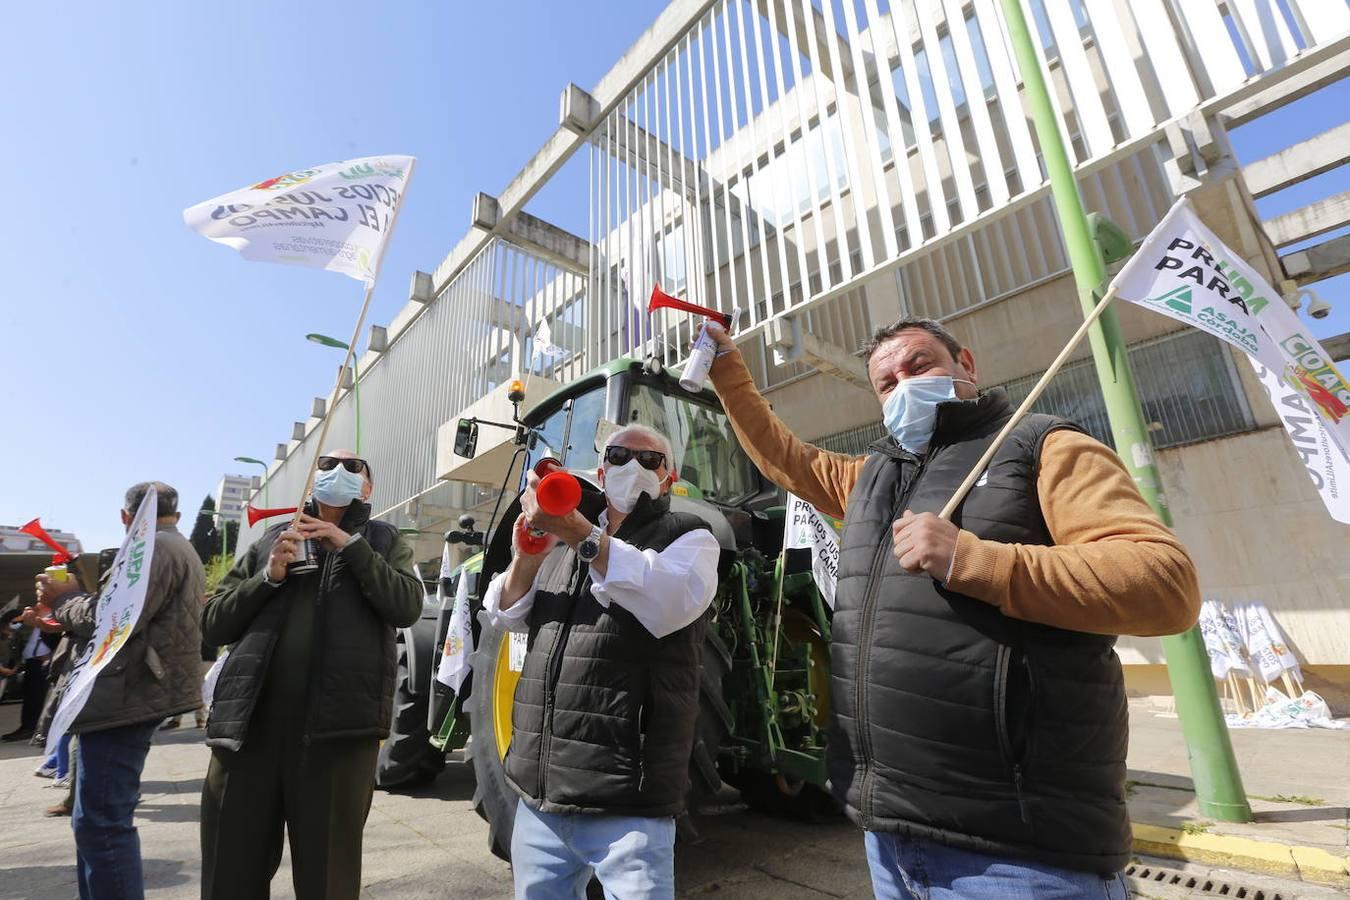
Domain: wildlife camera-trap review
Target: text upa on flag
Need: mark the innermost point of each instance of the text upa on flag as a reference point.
(336, 216)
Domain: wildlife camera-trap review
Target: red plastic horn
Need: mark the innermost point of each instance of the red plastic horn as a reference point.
(662, 300)
(61, 556)
(254, 513)
(559, 492)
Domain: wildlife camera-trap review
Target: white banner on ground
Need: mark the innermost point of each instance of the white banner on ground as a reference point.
(1183, 271)
(1306, 711)
(459, 635)
(336, 216)
(805, 528)
(117, 611)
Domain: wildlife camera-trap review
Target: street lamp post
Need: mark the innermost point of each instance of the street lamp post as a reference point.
(326, 341)
(257, 462)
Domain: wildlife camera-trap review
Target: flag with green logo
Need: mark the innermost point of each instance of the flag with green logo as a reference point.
(1184, 271)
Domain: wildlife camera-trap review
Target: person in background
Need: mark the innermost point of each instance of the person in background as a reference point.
(306, 694)
(37, 650)
(979, 718)
(152, 676)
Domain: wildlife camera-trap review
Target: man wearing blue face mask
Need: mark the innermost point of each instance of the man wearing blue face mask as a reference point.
(604, 713)
(306, 693)
(979, 708)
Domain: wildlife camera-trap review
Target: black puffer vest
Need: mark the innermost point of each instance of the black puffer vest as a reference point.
(354, 665)
(604, 713)
(954, 722)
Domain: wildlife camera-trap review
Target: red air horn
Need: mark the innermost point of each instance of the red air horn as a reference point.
(254, 513)
(61, 556)
(558, 494)
(662, 300)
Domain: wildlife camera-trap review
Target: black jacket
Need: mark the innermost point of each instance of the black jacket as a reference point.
(953, 721)
(315, 655)
(604, 713)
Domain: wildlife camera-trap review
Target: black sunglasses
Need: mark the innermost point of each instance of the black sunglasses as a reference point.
(328, 463)
(648, 459)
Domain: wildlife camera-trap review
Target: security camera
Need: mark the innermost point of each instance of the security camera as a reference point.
(1318, 308)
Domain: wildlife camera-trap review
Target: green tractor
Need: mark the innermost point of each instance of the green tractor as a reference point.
(765, 679)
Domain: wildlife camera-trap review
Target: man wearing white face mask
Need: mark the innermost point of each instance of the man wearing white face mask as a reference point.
(604, 713)
(980, 719)
(306, 693)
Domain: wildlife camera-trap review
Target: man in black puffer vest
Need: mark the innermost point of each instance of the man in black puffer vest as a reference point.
(604, 713)
(305, 695)
(980, 726)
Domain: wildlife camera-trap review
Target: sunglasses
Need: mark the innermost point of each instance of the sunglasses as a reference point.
(328, 463)
(648, 459)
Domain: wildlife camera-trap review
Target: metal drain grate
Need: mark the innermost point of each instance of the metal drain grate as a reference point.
(1200, 883)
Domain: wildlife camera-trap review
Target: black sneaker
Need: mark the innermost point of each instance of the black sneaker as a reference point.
(18, 734)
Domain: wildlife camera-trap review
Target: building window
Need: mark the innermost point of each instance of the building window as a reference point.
(1188, 387)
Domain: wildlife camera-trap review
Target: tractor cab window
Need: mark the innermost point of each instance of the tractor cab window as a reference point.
(569, 433)
(707, 454)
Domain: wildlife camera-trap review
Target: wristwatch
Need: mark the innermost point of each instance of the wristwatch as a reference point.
(589, 548)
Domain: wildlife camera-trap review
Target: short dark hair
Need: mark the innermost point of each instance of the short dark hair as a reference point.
(912, 323)
(166, 497)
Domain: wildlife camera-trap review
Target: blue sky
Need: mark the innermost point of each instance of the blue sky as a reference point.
(118, 116)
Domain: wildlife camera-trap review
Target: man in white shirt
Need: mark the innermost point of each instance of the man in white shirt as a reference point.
(604, 714)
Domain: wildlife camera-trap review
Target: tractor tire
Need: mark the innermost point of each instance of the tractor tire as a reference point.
(495, 800)
(407, 759)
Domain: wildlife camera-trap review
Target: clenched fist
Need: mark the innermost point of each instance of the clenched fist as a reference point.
(925, 543)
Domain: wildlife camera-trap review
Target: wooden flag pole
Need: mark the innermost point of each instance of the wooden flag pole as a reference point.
(347, 359)
(1022, 410)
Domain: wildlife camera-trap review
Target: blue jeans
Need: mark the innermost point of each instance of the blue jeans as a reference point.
(553, 856)
(107, 786)
(908, 868)
(59, 758)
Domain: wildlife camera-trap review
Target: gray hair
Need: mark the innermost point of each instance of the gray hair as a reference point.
(912, 323)
(166, 497)
(651, 434)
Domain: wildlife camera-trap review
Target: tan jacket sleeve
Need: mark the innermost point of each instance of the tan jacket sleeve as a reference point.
(1114, 569)
(821, 478)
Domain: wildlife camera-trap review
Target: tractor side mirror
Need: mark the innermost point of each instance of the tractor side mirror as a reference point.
(466, 438)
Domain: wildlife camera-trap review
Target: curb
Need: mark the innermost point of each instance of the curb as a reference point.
(1307, 863)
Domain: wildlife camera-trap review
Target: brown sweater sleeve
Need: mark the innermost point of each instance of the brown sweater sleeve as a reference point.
(821, 478)
(1114, 569)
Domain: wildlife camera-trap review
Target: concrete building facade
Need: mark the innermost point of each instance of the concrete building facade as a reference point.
(821, 169)
(231, 494)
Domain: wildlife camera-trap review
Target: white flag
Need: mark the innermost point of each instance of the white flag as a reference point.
(117, 612)
(1221, 642)
(805, 527)
(1183, 271)
(336, 216)
(1265, 642)
(454, 665)
(543, 342)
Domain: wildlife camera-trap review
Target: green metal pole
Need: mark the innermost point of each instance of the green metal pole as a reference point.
(1218, 784)
(356, 398)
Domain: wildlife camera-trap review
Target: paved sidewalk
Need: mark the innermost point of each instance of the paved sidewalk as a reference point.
(432, 844)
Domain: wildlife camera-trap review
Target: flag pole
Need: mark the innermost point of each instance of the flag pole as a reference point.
(1027, 403)
(351, 352)
(1218, 783)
